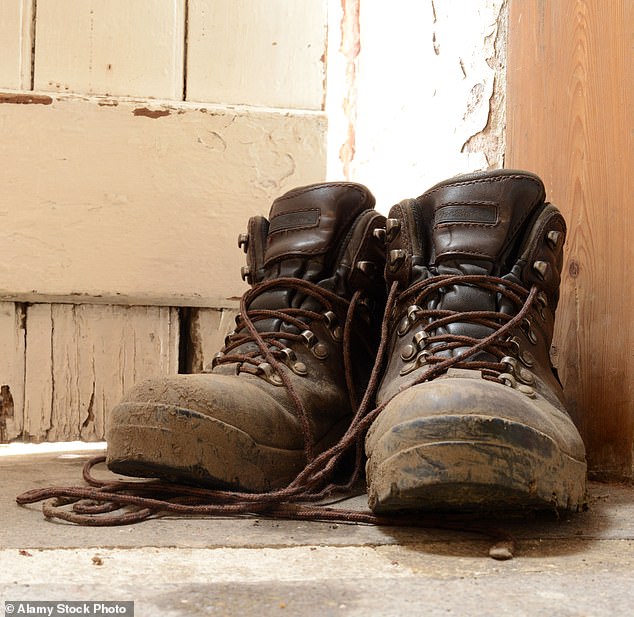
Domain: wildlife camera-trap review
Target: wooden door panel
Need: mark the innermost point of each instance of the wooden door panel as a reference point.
(570, 118)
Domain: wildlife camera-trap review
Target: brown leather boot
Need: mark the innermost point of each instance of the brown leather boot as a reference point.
(283, 388)
(474, 414)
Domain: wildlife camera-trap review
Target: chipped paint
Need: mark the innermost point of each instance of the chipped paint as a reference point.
(175, 191)
(151, 113)
(424, 94)
(6, 411)
(350, 48)
(491, 140)
(25, 99)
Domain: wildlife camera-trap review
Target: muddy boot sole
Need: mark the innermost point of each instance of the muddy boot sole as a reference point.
(181, 445)
(480, 463)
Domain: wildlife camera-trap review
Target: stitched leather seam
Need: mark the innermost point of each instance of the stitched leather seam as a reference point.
(316, 187)
(294, 227)
(481, 180)
(501, 178)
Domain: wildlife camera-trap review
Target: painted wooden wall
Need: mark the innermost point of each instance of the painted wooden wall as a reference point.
(570, 119)
(136, 139)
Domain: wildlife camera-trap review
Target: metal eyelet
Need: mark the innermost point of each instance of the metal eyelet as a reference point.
(368, 268)
(245, 273)
(320, 351)
(508, 380)
(409, 319)
(309, 338)
(525, 357)
(395, 259)
(392, 229)
(515, 369)
(420, 337)
(229, 336)
(290, 359)
(411, 312)
(333, 326)
(421, 360)
(541, 268)
(527, 329)
(542, 302)
(243, 242)
(408, 353)
(266, 371)
(515, 342)
(553, 237)
(417, 344)
(380, 234)
(216, 358)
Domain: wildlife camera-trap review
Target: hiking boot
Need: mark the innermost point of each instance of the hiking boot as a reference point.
(472, 414)
(284, 387)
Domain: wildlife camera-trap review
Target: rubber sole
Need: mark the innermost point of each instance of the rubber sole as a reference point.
(181, 445)
(483, 463)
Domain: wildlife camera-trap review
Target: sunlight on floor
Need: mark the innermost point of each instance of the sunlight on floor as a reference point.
(20, 448)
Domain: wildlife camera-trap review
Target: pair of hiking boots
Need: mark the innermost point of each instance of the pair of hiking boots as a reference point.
(429, 331)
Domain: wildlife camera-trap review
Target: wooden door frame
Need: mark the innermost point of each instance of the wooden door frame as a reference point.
(570, 110)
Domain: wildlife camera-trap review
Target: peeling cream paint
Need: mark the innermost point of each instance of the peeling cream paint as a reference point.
(21, 98)
(429, 104)
(152, 208)
(151, 113)
(350, 48)
(491, 139)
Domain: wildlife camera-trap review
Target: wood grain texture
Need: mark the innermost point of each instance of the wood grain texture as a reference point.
(16, 32)
(252, 52)
(80, 359)
(570, 118)
(114, 47)
(12, 341)
(122, 199)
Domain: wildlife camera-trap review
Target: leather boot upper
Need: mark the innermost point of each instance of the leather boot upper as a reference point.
(493, 224)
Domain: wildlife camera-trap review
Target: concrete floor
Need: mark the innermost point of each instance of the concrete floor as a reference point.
(580, 564)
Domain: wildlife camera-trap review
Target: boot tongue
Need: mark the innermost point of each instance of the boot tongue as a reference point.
(309, 223)
(476, 224)
(477, 219)
(307, 228)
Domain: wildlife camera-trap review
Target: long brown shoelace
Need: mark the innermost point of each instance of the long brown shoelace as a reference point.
(108, 503)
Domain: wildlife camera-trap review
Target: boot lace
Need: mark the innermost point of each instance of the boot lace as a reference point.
(435, 350)
(107, 503)
(272, 349)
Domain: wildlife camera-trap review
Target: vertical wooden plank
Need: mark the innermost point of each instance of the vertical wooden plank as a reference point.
(113, 47)
(257, 53)
(120, 346)
(12, 342)
(82, 358)
(16, 19)
(570, 118)
(38, 375)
